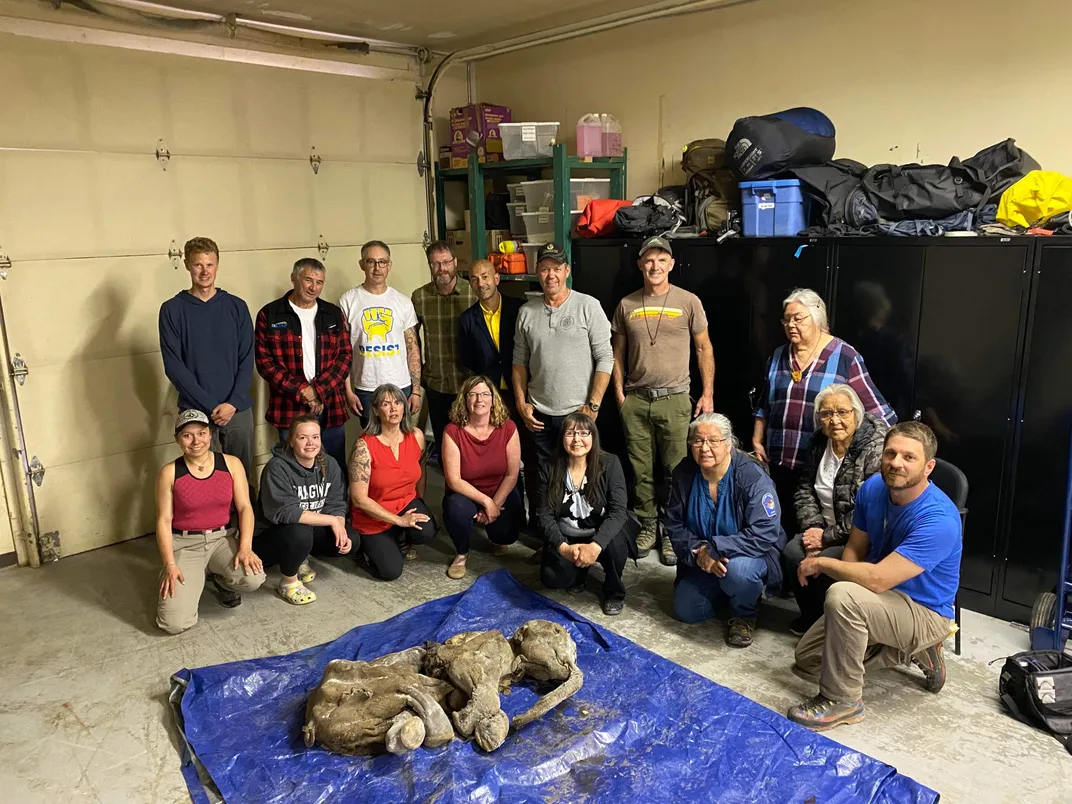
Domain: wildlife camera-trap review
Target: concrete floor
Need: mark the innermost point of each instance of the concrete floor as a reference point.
(84, 674)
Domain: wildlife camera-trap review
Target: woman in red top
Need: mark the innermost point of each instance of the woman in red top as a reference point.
(194, 497)
(386, 486)
(481, 458)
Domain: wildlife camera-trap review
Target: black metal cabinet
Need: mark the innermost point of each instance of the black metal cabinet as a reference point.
(1032, 550)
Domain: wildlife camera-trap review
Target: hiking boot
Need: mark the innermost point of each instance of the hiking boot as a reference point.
(740, 631)
(932, 664)
(645, 540)
(666, 552)
(613, 607)
(228, 597)
(819, 713)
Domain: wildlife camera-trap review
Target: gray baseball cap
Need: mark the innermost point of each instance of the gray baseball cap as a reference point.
(190, 416)
(656, 242)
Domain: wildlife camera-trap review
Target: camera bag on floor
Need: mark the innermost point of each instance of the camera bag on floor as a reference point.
(1036, 688)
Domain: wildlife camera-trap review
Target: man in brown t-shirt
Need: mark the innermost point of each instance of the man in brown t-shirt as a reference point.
(652, 330)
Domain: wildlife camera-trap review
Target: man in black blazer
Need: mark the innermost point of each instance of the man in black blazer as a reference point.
(486, 347)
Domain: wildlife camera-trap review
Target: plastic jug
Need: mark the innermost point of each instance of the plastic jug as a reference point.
(611, 135)
(590, 136)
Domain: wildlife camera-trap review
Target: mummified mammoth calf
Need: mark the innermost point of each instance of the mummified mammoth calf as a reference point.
(386, 704)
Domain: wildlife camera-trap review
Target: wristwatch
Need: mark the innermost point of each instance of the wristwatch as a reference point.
(594, 407)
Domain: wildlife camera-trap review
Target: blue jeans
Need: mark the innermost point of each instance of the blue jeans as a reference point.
(333, 440)
(698, 593)
(366, 401)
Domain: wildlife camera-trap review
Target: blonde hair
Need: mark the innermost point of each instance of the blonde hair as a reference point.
(459, 411)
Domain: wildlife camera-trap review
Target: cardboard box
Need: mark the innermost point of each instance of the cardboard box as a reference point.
(468, 224)
(495, 237)
(444, 156)
(484, 120)
(461, 243)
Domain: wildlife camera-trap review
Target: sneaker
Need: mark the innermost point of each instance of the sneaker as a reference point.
(228, 597)
(932, 664)
(740, 631)
(613, 607)
(645, 540)
(666, 552)
(819, 713)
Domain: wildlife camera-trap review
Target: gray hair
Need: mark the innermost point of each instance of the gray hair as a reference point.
(839, 389)
(813, 301)
(306, 262)
(719, 421)
(374, 426)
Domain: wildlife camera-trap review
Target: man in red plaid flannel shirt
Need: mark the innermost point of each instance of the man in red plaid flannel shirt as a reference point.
(303, 352)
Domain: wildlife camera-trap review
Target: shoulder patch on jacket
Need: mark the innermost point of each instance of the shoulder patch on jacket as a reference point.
(769, 506)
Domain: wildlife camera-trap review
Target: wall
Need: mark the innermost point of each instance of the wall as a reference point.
(905, 82)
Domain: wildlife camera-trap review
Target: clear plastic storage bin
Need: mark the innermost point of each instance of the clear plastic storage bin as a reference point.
(540, 195)
(527, 140)
(517, 193)
(517, 223)
(539, 224)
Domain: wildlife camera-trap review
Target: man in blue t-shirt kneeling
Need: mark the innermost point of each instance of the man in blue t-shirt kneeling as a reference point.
(896, 583)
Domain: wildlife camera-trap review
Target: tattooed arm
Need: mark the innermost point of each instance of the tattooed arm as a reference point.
(360, 473)
(413, 358)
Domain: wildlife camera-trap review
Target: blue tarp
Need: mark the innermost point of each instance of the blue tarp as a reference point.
(642, 729)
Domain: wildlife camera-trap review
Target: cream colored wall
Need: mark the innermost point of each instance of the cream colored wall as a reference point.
(916, 80)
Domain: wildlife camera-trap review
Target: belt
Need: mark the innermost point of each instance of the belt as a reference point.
(210, 532)
(659, 393)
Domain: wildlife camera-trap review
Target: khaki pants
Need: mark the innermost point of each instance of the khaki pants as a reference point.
(654, 429)
(214, 551)
(862, 631)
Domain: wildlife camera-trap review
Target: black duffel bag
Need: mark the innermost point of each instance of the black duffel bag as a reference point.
(1001, 166)
(646, 218)
(1036, 688)
(909, 192)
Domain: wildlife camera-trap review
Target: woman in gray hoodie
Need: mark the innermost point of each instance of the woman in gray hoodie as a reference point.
(301, 509)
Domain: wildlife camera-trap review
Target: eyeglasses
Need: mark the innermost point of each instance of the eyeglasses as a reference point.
(474, 395)
(711, 442)
(841, 413)
(796, 319)
(378, 263)
(578, 434)
(442, 264)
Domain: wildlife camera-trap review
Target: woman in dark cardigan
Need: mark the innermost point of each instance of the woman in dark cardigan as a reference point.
(845, 450)
(584, 515)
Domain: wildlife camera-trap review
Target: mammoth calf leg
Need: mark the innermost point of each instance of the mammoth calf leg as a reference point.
(405, 734)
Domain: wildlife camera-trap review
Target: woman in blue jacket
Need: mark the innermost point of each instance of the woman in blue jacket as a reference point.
(725, 525)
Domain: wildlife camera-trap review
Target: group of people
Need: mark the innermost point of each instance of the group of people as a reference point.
(513, 390)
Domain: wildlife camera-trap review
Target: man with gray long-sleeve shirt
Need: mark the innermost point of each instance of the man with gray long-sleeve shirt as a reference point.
(562, 353)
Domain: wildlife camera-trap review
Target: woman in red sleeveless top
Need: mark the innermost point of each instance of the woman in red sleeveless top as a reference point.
(386, 486)
(481, 459)
(194, 498)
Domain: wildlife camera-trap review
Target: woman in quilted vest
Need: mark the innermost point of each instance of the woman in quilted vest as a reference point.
(845, 450)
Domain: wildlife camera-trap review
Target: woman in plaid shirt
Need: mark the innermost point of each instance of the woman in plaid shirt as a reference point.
(796, 373)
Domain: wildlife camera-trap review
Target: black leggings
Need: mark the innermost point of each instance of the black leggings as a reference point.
(458, 513)
(289, 545)
(382, 550)
(558, 573)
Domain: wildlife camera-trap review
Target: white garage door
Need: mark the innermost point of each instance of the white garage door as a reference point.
(87, 214)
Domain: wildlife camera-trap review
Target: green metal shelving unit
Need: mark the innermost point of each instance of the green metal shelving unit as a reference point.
(561, 166)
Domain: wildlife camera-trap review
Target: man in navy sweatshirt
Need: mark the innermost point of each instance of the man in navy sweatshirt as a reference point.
(206, 340)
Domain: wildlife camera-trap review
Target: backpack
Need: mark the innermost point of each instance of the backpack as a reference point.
(1036, 688)
(645, 217)
(710, 188)
(597, 219)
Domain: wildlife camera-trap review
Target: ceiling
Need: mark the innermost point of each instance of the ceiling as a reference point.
(436, 24)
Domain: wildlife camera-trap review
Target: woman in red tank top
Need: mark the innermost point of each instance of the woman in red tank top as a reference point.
(481, 459)
(194, 498)
(386, 486)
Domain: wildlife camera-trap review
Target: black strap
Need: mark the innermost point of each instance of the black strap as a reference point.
(1014, 710)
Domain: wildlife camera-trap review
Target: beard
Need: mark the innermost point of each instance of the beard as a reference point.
(899, 480)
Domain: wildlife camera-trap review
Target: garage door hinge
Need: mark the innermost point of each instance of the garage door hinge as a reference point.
(49, 546)
(5, 265)
(163, 155)
(18, 369)
(175, 255)
(314, 160)
(37, 471)
(422, 164)
(323, 247)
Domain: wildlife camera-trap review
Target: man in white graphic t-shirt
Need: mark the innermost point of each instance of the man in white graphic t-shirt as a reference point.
(383, 332)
